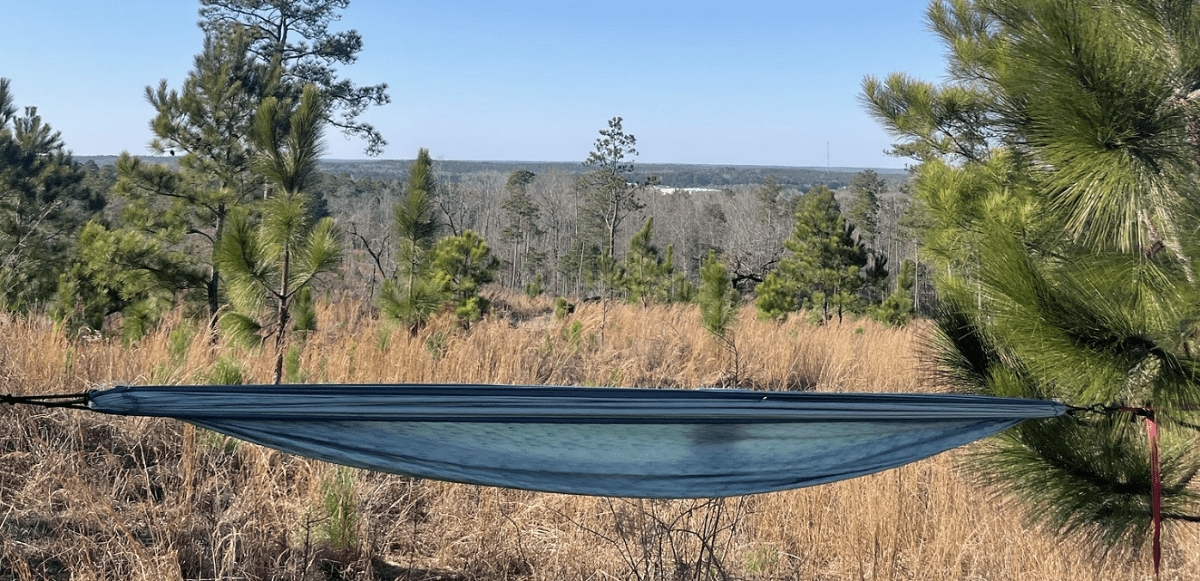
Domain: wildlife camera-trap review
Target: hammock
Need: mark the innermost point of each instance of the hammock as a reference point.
(647, 443)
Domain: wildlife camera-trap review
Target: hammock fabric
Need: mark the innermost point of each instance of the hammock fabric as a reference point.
(648, 443)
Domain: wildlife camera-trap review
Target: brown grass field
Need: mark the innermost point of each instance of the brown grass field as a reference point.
(87, 496)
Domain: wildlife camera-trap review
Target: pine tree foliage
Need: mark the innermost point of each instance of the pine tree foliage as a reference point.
(271, 260)
(867, 186)
(521, 214)
(43, 204)
(207, 125)
(121, 271)
(1058, 174)
(899, 309)
(410, 297)
(719, 301)
(648, 274)
(415, 220)
(823, 271)
(611, 195)
(719, 306)
(295, 35)
(463, 264)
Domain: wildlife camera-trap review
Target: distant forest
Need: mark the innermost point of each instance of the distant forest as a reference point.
(673, 175)
(742, 212)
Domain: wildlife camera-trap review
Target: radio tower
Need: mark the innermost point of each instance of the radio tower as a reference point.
(826, 163)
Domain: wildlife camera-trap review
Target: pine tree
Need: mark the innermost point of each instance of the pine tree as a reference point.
(522, 216)
(295, 35)
(271, 261)
(1058, 171)
(611, 195)
(121, 270)
(462, 264)
(644, 274)
(411, 297)
(43, 204)
(719, 302)
(899, 309)
(207, 125)
(823, 271)
(867, 186)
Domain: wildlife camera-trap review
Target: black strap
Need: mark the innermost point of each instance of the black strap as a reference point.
(77, 401)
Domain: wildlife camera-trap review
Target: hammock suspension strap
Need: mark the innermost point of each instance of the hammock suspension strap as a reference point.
(77, 401)
(1155, 489)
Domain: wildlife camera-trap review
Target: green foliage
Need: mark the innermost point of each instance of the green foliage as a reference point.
(610, 198)
(339, 509)
(43, 204)
(719, 305)
(433, 273)
(412, 304)
(647, 275)
(121, 271)
(304, 313)
(823, 271)
(1057, 187)
(207, 124)
(269, 262)
(760, 561)
(464, 263)
(562, 308)
(776, 297)
(864, 210)
(291, 365)
(534, 288)
(414, 217)
(522, 215)
(294, 35)
(226, 371)
(898, 309)
(719, 301)
(178, 341)
(412, 296)
(436, 345)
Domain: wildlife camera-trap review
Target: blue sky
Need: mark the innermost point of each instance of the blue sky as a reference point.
(750, 82)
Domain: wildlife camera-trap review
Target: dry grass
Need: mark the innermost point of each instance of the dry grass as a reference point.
(86, 496)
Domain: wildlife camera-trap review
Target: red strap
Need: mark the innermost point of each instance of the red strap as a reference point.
(1155, 490)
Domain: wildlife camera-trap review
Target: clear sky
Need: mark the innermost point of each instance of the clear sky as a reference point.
(749, 82)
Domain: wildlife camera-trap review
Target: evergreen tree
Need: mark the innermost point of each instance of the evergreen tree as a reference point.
(647, 274)
(867, 186)
(43, 204)
(823, 271)
(207, 124)
(411, 296)
(611, 198)
(462, 264)
(611, 195)
(269, 262)
(121, 270)
(1058, 172)
(898, 309)
(295, 35)
(719, 302)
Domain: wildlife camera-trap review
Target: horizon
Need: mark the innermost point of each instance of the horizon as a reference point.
(840, 169)
(698, 83)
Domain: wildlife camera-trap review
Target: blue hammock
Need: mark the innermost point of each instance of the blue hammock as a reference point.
(648, 443)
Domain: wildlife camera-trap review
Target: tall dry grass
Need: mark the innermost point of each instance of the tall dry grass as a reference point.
(87, 496)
